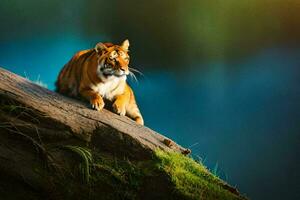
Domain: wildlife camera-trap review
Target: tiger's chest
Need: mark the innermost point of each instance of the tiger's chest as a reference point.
(110, 88)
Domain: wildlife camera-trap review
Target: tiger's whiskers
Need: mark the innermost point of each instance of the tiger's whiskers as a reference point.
(135, 70)
(133, 76)
(131, 73)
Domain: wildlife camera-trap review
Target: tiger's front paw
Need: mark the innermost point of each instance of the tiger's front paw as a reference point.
(97, 103)
(119, 108)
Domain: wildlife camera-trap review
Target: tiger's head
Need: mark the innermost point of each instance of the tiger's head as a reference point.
(113, 60)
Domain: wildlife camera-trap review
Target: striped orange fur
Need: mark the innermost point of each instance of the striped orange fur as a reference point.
(98, 74)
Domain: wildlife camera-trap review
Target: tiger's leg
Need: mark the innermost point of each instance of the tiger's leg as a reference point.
(133, 111)
(95, 99)
(120, 103)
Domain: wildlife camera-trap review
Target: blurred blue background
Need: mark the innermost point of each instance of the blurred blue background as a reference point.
(220, 77)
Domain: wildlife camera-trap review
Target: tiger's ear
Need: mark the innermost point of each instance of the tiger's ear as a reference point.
(125, 45)
(100, 47)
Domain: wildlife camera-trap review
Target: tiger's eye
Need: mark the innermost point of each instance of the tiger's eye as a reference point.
(113, 55)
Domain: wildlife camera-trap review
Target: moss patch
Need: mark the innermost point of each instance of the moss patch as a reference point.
(191, 179)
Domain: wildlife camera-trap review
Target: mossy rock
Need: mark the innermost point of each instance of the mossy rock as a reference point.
(168, 175)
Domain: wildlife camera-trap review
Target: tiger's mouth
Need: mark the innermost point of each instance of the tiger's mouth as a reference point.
(113, 74)
(108, 70)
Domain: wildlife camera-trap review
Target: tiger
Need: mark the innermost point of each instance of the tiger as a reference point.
(100, 74)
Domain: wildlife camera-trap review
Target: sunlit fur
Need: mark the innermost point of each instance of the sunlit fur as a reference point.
(100, 73)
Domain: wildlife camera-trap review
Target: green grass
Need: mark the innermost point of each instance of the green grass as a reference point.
(192, 179)
(86, 160)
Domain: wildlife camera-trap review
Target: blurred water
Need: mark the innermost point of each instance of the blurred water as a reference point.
(246, 119)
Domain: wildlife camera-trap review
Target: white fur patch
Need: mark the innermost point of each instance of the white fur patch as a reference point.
(110, 87)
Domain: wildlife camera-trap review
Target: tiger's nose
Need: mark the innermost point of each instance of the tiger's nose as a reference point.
(122, 65)
(123, 68)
